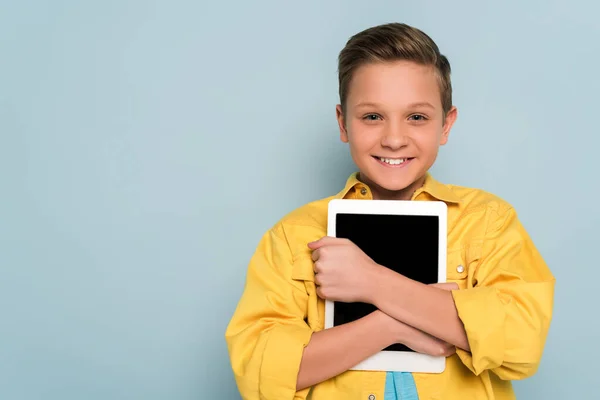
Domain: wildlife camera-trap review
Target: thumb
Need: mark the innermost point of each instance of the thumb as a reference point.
(321, 242)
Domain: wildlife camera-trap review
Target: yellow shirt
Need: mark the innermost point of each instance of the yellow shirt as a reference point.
(505, 302)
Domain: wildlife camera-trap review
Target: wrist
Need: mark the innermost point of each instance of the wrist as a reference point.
(373, 284)
(403, 332)
(388, 327)
(395, 331)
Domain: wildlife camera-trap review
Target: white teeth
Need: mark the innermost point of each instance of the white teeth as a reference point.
(393, 161)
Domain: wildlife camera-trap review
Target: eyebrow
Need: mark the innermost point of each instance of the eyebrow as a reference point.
(421, 104)
(367, 104)
(412, 105)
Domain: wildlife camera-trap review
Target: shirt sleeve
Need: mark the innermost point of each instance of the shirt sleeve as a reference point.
(507, 313)
(267, 333)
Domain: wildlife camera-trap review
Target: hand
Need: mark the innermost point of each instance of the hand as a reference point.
(422, 342)
(449, 286)
(342, 270)
(412, 337)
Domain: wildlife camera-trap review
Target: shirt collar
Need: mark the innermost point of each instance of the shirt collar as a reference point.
(431, 186)
(351, 183)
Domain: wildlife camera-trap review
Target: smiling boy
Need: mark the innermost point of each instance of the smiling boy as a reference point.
(490, 321)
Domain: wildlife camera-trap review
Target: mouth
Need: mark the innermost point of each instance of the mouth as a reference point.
(393, 162)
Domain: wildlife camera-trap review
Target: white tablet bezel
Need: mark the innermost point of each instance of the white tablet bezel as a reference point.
(390, 360)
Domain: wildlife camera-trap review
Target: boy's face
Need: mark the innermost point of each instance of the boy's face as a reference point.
(394, 123)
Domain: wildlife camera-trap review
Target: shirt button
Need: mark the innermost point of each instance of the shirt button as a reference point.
(371, 397)
(460, 269)
(363, 191)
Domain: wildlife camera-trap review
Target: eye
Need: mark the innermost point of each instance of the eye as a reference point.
(372, 117)
(417, 117)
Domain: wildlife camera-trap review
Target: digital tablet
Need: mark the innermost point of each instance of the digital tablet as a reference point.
(409, 237)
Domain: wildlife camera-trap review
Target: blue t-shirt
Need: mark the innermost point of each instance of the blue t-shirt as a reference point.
(400, 386)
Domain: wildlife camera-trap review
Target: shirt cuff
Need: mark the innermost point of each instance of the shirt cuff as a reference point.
(482, 314)
(281, 362)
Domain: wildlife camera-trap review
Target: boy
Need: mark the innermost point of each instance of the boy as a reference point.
(490, 320)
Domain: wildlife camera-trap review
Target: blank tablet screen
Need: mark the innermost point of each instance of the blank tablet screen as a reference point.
(407, 244)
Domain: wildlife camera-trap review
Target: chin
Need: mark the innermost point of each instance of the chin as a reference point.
(394, 185)
(394, 188)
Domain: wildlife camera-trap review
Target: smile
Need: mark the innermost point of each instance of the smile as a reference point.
(393, 162)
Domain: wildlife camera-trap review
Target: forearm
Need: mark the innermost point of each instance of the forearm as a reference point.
(425, 307)
(333, 351)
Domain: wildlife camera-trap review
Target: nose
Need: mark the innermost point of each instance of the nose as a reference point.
(394, 138)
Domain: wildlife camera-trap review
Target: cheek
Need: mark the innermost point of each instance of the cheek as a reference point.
(362, 144)
(362, 138)
(429, 141)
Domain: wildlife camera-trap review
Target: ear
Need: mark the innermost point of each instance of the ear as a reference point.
(341, 123)
(450, 119)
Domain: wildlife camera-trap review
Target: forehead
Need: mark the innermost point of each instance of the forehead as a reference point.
(395, 84)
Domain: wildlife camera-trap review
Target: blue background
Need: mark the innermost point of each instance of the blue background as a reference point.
(145, 146)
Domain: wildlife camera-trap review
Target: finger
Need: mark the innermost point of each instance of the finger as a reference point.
(324, 241)
(450, 351)
(320, 293)
(317, 280)
(442, 349)
(316, 254)
(317, 267)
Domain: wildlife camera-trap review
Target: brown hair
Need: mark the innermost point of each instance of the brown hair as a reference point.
(393, 42)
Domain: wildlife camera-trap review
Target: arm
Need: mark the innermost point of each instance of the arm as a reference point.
(434, 312)
(274, 354)
(267, 333)
(343, 272)
(507, 313)
(504, 317)
(333, 351)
